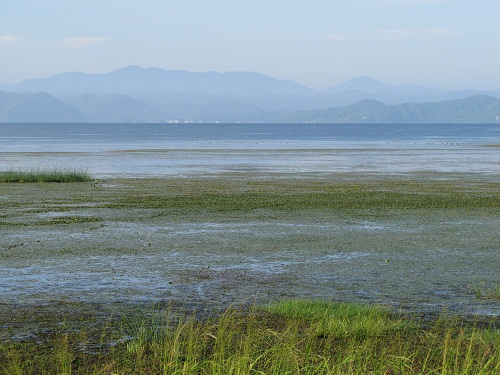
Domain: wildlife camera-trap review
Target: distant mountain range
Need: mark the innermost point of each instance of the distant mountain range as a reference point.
(135, 94)
(474, 109)
(38, 107)
(136, 80)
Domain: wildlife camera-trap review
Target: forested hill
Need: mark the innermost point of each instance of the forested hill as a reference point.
(474, 109)
(42, 107)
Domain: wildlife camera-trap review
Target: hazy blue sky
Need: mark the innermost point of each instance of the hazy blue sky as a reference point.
(442, 43)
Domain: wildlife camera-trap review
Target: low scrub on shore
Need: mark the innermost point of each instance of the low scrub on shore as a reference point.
(288, 337)
(45, 175)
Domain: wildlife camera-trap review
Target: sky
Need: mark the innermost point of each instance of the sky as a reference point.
(447, 44)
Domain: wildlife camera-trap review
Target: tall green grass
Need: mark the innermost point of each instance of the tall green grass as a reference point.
(341, 319)
(280, 338)
(55, 174)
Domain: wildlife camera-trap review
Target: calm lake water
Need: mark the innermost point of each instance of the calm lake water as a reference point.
(199, 149)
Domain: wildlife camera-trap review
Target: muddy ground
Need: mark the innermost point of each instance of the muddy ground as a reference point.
(414, 243)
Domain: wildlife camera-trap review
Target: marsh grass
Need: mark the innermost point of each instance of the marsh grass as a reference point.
(481, 291)
(341, 319)
(289, 337)
(55, 174)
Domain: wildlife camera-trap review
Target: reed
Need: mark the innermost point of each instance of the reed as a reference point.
(55, 174)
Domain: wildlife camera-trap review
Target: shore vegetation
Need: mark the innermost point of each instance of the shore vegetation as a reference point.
(286, 337)
(55, 174)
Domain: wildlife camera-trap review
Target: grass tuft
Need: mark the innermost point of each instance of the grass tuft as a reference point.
(340, 319)
(45, 175)
(279, 338)
(481, 291)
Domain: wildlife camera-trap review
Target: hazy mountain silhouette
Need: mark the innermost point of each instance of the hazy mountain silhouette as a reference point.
(135, 94)
(114, 108)
(370, 85)
(137, 80)
(40, 107)
(37, 107)
(475, 109)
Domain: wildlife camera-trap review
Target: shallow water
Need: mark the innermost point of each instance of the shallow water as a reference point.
(127, 150)
(413, 263)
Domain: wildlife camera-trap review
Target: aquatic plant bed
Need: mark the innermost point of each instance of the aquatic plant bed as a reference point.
(77, 258)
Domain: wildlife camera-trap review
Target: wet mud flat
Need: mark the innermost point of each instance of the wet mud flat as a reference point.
(84, 252)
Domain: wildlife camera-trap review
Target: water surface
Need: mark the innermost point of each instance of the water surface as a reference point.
(204, 149)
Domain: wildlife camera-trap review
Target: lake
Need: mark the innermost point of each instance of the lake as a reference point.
(129, 150)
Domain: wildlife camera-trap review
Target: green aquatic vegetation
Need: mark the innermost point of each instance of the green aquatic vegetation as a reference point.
(229, 196)
(69, 220)
(45, 175)
(283, 196)
(61, 220)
